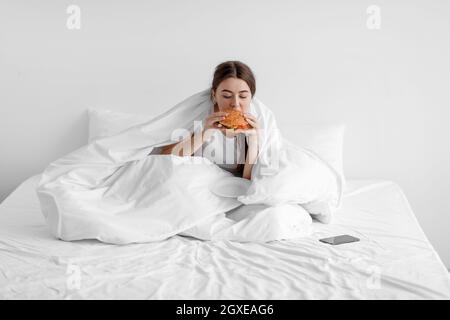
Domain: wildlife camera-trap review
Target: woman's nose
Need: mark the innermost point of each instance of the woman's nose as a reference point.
(235, 103)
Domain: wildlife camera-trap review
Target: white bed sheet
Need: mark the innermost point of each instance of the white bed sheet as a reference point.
(393, 260)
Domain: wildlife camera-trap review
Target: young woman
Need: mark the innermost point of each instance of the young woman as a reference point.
(233, 87)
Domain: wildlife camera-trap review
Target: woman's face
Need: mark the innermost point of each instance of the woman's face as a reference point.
(233, 93)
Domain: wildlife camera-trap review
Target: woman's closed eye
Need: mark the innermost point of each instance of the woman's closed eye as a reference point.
(232, 97)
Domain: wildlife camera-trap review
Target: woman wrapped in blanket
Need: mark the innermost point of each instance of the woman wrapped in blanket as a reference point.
(230, 131)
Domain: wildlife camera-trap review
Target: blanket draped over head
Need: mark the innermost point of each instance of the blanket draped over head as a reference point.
(116, 190)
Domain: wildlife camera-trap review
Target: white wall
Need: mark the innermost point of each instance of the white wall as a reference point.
(316, 61)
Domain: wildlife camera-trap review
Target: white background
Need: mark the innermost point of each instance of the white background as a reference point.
(315, 61)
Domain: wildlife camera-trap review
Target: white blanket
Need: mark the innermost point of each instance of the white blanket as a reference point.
(115, 190)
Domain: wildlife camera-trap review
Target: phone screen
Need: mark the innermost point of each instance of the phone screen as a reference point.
(339, 239)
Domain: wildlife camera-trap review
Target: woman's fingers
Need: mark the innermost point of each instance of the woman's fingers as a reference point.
(254, 124)
(251, 120)
(211, 121)
(250, 116)
(216, 115)
(216, 118)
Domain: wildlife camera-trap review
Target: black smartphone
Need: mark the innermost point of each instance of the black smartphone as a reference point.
(339, 239)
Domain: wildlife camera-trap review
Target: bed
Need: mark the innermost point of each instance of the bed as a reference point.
(393, 260)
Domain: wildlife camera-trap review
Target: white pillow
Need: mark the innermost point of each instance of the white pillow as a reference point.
(106, 123)
(326, 140)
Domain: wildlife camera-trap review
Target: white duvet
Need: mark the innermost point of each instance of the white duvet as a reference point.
(115, 190)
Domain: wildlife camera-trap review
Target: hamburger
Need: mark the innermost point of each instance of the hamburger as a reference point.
(234, 120)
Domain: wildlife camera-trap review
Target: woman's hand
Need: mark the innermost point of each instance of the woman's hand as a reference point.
(251, 119)
(212, 121)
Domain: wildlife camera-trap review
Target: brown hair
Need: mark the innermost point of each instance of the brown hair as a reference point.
(233, 69)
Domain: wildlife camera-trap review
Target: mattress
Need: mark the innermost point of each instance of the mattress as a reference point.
(393, 260)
